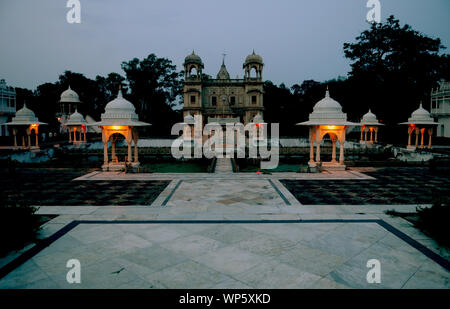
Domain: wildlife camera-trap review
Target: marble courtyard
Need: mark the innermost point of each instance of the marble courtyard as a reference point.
(227, 230)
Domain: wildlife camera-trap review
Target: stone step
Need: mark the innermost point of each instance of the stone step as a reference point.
(223, 165)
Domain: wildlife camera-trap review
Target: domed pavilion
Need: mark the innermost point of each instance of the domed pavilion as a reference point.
(327, 118)
(76, 123)
(419, 123)
(119, 118)
(69, 102)
(369, 123)
(24, 123)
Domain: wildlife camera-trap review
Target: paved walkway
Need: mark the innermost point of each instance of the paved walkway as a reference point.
(228, 231)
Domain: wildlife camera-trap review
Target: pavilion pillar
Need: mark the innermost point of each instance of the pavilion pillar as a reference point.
(15, 137)
(422, 133)
(37, 138)
(417, 131)
(365, 134)
(341, 150)
(29, 138)
(410, 130)
(376, 135)
(318, 146)
(113, 149)
(129, 139)
(430, 133)
(23, 142)
(84, 135)
(105, 146)
(70, 135)
(136, 160)
(311, 143)
(333, 151)
(362, 133)
(74, 135)
(371, 134)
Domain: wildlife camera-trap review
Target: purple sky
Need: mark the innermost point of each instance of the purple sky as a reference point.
(298, 39)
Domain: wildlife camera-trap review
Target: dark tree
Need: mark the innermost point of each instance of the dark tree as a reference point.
(393, 68)
(155, 87)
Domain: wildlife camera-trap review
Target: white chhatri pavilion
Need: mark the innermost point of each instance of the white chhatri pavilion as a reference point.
(119, 118)
(327, 118)
(369, 123)
(26, 120)
(419, 122)
(68, 102)
(76, 122)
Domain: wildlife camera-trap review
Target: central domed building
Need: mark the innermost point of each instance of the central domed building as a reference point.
(223, 99)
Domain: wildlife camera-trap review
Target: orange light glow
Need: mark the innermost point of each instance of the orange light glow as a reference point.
(412, 125)
(330, 127)
(117, 127)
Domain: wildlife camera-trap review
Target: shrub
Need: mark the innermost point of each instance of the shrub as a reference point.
(434, 220)
(18, 223)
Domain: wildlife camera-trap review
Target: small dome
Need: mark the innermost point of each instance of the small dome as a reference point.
(69, 96)
(189, 118)
(76, 119)
(253, 58)
(193, 58)
(327, 111)
(369, 119)
(421, 116)
(25, 116)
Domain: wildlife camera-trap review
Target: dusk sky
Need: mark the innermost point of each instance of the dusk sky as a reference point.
(298, 39)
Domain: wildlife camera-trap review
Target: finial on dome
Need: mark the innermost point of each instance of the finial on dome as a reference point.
(119, 95)
(327, 93)
(253, 52)
(193, 52)
(25, 103)
(69, 87)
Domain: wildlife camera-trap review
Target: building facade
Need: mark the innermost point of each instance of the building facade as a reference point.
(223, 99)
(440, 108)
(7, 106)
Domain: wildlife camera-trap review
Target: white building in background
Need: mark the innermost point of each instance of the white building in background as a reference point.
(7, 106)
(440, 108)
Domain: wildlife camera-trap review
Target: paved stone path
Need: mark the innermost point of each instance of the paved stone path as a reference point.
(229, 231)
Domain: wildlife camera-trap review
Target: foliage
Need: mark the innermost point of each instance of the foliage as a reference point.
(18, 223)
(434, 220)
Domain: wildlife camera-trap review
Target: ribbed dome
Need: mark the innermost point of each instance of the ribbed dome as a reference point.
(25, 116)
(421, 115)
(193, 58)
(76, 119)
(253, 58)
(119, 112)
(327, 111)
(369, 119)
(69, 96)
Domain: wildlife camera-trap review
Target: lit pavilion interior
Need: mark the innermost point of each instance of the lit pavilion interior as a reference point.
(119, 119)
(369, 126)
(327, 118)
(420, 123)
(76, 126)
(24, 124)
